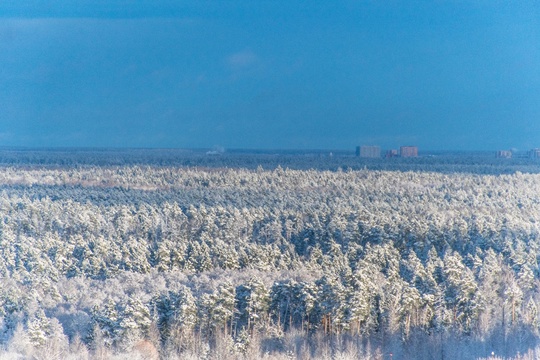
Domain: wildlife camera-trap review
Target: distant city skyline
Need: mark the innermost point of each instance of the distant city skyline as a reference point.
(270, 75)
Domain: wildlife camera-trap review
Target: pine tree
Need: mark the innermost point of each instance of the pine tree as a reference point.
(461, 292)
(105, 321)
(330, 300)
(133, 322)
(39, 328)
(175, 309)
(252, 302)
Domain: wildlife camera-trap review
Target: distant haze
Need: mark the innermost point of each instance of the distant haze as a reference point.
(461, 75)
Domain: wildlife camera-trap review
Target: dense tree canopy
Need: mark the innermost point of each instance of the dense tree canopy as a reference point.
(111, 255)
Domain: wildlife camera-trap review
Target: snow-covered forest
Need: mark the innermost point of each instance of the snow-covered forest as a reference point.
(204, 261)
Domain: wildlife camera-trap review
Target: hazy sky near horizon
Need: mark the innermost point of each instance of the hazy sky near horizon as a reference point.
(442, 75)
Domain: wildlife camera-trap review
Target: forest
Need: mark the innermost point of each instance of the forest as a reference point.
(115, 256)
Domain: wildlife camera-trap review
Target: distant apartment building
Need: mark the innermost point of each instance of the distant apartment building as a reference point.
(391, 154)
(365, 151)
(504, 154)
(408, 151)
(534, 153)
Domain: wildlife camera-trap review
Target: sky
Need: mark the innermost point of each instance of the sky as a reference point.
(270, 74)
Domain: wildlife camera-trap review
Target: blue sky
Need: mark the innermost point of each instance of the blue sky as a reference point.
(460, 75)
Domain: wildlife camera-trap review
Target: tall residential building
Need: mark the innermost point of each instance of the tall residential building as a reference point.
(408, 151)
(504, 154)
(369, 151)
(391, 154)
(534, 153)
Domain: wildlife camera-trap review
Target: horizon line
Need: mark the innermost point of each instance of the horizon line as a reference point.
(223, 149)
